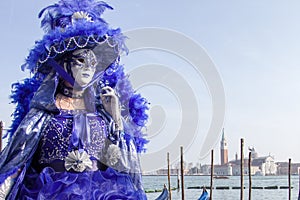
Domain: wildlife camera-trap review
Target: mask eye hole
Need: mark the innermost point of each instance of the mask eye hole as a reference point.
(80, 60)
(93, 63)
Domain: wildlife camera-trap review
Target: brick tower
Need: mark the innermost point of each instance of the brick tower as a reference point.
(224, 150)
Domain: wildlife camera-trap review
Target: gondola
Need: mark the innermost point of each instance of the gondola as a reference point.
(164, 194)
(204, 195)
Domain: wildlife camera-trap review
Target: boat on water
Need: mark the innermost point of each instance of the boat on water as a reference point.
(221, 177)
(204, 195)
(164, 195)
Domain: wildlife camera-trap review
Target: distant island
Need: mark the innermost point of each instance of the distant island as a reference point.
(260, 165)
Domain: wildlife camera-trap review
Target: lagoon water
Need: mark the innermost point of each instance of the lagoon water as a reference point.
(156, 182)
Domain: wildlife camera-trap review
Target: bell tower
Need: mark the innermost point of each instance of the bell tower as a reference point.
(224, 149)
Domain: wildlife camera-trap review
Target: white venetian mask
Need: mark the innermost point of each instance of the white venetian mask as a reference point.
(84, 66)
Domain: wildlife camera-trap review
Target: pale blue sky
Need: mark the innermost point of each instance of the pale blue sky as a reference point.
(254, 45)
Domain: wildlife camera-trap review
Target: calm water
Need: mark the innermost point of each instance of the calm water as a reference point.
(156, 182)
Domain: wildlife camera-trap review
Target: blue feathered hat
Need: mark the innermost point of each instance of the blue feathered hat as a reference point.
(73, 24)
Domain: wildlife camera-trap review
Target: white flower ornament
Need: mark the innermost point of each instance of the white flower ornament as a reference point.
(78, 161)
(113, 155)
(81, 15)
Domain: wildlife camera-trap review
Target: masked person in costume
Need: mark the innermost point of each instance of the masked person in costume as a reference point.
(77, 129)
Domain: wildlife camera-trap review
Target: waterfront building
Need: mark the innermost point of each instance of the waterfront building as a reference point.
(259, 166)
(164, 171)
(266, 165)
(223, 170)
(283, 168)
(224, 150)
(205, 169)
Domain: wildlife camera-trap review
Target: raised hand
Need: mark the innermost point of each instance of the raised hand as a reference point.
(110, 102)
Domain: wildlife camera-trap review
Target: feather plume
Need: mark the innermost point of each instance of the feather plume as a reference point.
(22, 93)
(137, 108)
(47, 22)
(64, 9)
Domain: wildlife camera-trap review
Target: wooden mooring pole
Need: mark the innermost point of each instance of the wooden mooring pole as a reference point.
(249, 172)
(299, 184)
(242, 169)
(178, 180)
(182, 172)
(1, 133)
(169, 176)
(211, 174)
(289, 179)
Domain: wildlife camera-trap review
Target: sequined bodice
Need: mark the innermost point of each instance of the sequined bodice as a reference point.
(57, 138)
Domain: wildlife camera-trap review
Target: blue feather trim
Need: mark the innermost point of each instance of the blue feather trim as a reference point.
(137, 108)
(134, 106)
(60, 14)
(22, 93)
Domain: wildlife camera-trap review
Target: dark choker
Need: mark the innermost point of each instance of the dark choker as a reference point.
(68, 92)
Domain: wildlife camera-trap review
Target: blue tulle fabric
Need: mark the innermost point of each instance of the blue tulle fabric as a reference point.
(90, 185)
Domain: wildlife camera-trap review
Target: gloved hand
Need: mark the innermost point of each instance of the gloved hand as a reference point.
(111, 104)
